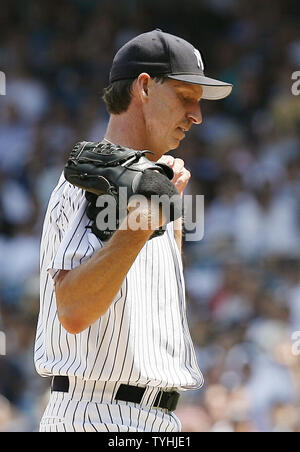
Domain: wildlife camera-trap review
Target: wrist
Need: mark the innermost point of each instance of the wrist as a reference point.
(144, 214)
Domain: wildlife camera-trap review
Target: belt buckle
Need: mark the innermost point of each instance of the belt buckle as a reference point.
(172, 401)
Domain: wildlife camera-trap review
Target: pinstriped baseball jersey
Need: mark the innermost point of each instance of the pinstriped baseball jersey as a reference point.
(143, 338)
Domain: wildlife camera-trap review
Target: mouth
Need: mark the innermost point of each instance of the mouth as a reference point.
(182, 130)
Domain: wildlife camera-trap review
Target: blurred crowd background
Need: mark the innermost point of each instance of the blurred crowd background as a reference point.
(243, 278)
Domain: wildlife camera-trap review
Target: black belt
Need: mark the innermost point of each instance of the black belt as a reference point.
(127, 393)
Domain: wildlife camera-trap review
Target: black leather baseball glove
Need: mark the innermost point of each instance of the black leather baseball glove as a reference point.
(103, 169)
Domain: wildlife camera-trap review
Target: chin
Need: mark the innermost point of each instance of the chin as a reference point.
(166, 147)
(174, 145)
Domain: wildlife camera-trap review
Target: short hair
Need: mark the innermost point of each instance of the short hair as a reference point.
(117, 95)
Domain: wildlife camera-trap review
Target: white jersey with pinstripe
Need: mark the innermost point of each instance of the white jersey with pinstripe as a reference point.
(143, 338)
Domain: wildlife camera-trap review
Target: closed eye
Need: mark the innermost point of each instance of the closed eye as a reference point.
(187, 99)
(184, 99)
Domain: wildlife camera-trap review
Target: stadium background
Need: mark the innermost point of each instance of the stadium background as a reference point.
(243, 279)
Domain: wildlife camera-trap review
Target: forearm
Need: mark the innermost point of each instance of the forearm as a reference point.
(85, 293)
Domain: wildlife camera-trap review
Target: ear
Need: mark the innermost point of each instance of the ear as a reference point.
(143, 83)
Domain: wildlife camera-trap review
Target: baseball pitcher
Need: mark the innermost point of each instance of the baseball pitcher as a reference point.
(112, 331)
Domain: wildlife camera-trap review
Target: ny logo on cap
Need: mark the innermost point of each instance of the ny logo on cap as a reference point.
(199, 59)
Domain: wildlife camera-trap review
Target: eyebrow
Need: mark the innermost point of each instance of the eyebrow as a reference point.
(186, 86)
(189, 91)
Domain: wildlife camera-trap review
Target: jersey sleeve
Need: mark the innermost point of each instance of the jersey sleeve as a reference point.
(68, 229)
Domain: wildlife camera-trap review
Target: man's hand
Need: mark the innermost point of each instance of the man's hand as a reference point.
(180, 180)
(149, 215)
(181, 174)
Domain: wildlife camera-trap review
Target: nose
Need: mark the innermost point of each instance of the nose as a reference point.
(194, 115)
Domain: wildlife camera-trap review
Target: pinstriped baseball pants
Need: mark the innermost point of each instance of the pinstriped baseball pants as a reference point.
(89, 406)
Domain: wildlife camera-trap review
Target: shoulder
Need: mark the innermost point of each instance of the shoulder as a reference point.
(67, 203)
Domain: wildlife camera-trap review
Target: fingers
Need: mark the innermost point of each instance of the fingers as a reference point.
(176, 164)
(181, 174)
(182, 180)
(167, 159)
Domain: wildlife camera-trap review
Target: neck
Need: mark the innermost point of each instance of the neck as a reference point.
(119, 131)
(127, 130)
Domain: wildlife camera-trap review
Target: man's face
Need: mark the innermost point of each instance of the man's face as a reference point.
(172, 108)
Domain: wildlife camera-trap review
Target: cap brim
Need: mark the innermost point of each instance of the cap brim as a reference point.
(212, 89)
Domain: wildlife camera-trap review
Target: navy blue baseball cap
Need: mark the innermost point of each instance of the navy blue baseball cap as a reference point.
(162, 54)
